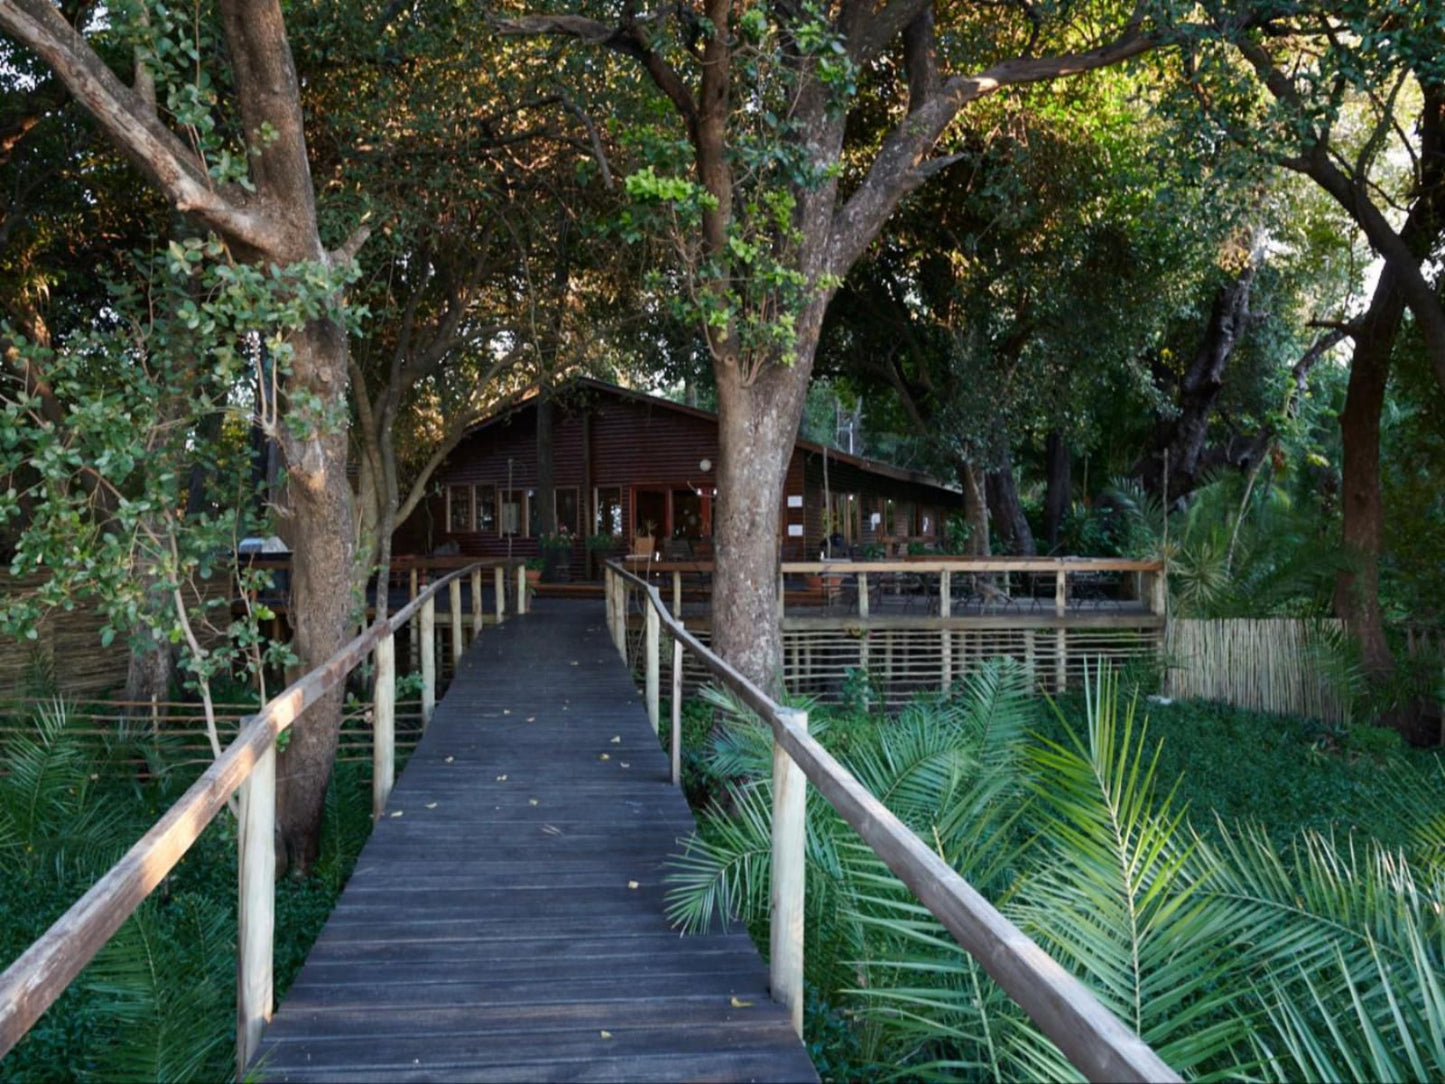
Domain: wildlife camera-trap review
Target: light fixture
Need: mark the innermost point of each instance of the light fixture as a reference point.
(705, 465)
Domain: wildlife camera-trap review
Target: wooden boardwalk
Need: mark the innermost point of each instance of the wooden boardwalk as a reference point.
(505, 920)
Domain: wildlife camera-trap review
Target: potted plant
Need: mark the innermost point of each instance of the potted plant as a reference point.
(533, 566)
(556, 556)
(645, 539)
(600, 547)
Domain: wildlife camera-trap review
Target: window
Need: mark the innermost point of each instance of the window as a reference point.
(564, 505)
(459, 509)
(608, 518)
(486, 502)
(513, 502)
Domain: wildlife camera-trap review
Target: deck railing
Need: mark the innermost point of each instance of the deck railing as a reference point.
(1091, 1037)
(41, 974)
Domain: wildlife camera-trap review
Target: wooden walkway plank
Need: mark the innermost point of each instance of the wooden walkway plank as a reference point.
(506, 919)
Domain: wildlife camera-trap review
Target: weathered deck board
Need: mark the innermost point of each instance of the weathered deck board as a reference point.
(491, 938)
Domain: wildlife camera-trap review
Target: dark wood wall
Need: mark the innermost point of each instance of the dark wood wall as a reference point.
(603, 440)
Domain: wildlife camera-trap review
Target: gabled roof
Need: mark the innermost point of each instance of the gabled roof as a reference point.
(873, 466)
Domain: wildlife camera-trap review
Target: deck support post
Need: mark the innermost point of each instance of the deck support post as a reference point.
(478, 613)
(945, 638)
(256, 906)
(790, 833)
(677, 595)
(521, 589)
(383, 726)
(414, 649)
(1061, 637)
(676, 712)
(651, 652)
(619, 616)
(456, 603)
(428, 660)
(499, 589)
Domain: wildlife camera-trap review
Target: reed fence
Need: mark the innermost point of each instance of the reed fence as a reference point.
(1276, 665)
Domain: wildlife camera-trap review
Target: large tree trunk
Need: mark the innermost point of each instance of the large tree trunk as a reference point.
(321, 609)
(975, 507)
(1183, 436)
(1059, 494)
(757, 426)
(1010, 525)
(1357, 590)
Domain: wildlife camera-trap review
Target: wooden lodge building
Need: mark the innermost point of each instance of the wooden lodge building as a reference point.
(628, 464)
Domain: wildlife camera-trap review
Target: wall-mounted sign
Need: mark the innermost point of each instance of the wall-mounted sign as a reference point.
(795, 500)
(795, 530)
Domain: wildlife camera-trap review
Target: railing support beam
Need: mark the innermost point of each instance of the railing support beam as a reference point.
(428, 637)
(676, 712)
(455, 598)
(499, 587)
(789, 870)
(478, 611)
(653, 665)
(256, 907)
(383, 726)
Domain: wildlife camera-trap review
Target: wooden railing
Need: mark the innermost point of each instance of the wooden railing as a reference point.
(1091, 1037)
(41, 974)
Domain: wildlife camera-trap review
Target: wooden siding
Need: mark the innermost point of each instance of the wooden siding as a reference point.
(633, 442)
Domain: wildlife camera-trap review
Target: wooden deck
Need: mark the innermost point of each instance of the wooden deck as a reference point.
(505, 920)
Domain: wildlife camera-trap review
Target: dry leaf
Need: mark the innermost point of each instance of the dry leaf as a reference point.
(624, 763)
(506, 711)
(739, 1003)
(607, 1034)
(605, 756)
(397, 813)
(617, 739)
(574, 662)
(450, 759)
(531, 718)
(502, 778)
(531, 801)
(631, 884)
(431, 805)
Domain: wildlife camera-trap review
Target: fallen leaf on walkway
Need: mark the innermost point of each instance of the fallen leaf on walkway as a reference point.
(605, 756)
(501, 778)
(531, 718)
(617, 740)
(397, 813)
(739, 1003)
(625, 764)
(573, 663)
(450, 759)
(631, 884)
(551, 829)
(532, 801)
(506, 711)
(431, 805)
(607, 1034)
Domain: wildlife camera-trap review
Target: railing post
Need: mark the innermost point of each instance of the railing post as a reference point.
(653, 664)
(607, 603)
(499, 588)
(521, 589)
(619, 616)
(428, 660)
(456, 604)
(790, 834)
(383, 726)
(478, 618)
(414, 649)
(256, 906)
(677, 595)
(945, 638)
(862, 594)
(676, 712)
(1061, 637)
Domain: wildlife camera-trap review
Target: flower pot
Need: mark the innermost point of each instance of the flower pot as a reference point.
(642, 545)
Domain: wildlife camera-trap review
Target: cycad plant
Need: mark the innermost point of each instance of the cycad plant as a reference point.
(1317, 959)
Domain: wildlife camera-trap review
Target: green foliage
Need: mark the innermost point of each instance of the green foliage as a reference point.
(1254, 946)
(158, 1002)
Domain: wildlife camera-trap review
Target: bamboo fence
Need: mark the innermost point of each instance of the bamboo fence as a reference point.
(1275, 665)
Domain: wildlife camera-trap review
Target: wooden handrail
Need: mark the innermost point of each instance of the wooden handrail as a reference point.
(1065, 1010)
(42, 972)
(930, 564)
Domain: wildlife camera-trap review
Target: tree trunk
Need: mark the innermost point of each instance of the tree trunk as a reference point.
(1011, 526)
(319, 504)
(1059, 496)
(1357, 590)
(148, 675)
(546, 486)
(975, 508)
(757, 426)
(1183, 436)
